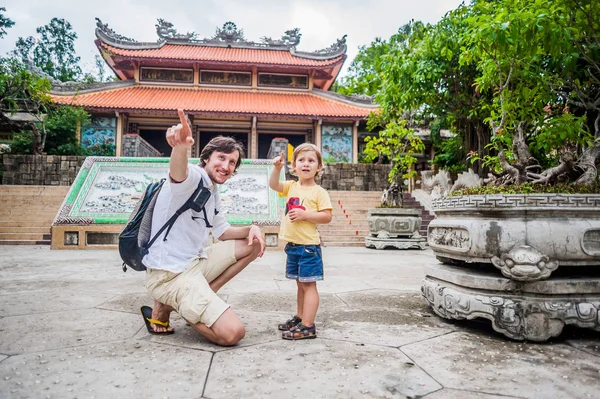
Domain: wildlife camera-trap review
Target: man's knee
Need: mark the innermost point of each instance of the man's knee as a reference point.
(244, 250)
(232, 335)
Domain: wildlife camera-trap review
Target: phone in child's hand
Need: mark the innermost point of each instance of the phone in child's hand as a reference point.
(293, 202)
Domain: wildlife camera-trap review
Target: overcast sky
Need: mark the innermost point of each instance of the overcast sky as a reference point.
(321, 22)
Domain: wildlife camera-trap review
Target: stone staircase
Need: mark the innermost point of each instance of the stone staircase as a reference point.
(409, 200)
(349, 225)
(27, 213)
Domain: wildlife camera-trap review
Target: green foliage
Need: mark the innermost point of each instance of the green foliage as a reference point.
(450, 155)
(21, 143)
(399, 144)
(53, 51)
(530, 189)
(365, 70)
(20, 89)
(5, 22)
(63, 128)
(507, 76)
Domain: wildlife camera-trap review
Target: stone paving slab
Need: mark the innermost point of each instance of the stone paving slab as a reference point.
(462, 394)
(591, 346)
(124, 369)
(260, 327)
(282, 302)
(39, 332)
(478, 363)
(371, 316)
(50, 301)
(316, 369)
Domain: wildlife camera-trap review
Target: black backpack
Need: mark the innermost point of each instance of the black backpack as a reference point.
(134, 240)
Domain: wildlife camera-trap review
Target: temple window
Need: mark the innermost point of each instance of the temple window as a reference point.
(279, 80)
(172, 75)
(226, 78)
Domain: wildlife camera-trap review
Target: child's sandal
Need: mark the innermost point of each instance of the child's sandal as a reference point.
(300, 332)
(289, 324)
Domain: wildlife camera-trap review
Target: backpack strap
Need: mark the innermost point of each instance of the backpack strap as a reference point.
(169, 224)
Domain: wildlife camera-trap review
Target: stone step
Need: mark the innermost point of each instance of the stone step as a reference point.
(25, 223)
(19, 229)
(332, 239)
(33, 199)
(26, 215)
(344, 244)
(20, 209)
(24, 242)
(345, 233)
(344, 226)
(25, 236)
(34, 190)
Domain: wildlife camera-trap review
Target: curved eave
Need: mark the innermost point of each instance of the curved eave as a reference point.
(231, 55)
(151, 99)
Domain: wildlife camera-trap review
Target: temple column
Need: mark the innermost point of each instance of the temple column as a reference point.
(355, 142)
(119, 135)
(317, 130)
(253, 140)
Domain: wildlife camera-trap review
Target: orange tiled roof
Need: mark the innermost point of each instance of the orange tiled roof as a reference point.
(222, 54)
(225, 101)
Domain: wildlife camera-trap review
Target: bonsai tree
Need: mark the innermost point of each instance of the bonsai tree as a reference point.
(518, 83)
(399, 144)
(540, 62)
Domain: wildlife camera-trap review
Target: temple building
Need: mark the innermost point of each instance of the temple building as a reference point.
(254, 91)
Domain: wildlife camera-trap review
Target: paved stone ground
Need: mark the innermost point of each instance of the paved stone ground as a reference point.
(70, 327)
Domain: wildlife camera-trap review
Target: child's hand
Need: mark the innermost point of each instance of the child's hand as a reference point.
(297, 215)
(279, 162)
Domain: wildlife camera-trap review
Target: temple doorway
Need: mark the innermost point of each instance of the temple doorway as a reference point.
(206, 136)
(156, 137)
(264, 141)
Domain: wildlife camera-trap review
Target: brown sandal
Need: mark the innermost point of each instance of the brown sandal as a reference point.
(289, 324)
(300, 332)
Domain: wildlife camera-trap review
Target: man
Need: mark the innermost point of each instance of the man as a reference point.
(182, 275)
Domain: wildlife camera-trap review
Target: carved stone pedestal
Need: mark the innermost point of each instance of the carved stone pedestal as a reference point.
(533, 311)
(394, 228)
(398, 243)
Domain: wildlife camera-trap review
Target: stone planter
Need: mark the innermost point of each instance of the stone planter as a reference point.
(395, 228)
(503, 247)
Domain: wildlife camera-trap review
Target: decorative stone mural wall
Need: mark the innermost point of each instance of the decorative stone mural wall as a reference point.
(100, 131)
(40, 170)
(46, 170)
(336, 143)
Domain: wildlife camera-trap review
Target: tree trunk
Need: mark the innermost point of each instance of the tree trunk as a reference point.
(587, 162)
(36, 146)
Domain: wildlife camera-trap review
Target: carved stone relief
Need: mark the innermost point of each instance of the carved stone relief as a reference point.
(521, 318)
(525, 263)
(449, 237)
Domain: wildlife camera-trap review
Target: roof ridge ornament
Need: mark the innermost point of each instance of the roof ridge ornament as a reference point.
(229, 33)
(227, 36)
(166, 32)
(111, 33)
(335, 47)
(290, 39)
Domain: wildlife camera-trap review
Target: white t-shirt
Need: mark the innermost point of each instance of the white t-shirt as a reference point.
(189, 234)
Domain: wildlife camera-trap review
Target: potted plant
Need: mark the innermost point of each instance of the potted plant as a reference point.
(519, 85)
(392, 225)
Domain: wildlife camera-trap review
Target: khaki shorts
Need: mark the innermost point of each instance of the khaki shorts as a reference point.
(188, 292)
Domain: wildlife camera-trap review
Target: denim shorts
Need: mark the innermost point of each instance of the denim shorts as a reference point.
(304, 262)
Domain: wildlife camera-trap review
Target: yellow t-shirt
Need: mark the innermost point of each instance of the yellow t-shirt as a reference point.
(313, 198)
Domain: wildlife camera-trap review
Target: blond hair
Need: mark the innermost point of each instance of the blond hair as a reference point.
(305, 147)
